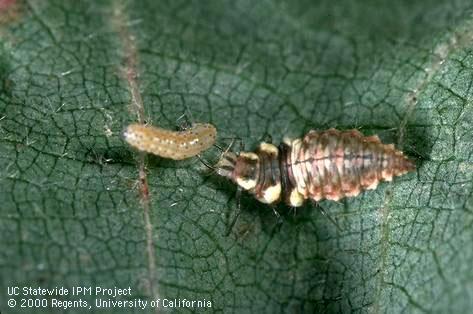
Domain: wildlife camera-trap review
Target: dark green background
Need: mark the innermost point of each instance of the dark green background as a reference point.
(70, 212)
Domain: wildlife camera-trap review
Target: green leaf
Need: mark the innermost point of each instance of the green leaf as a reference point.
(73, 212)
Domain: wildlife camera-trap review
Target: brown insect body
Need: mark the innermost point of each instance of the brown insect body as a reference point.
(329, 164)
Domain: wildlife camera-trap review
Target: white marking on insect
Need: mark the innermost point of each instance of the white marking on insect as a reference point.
(175, 145)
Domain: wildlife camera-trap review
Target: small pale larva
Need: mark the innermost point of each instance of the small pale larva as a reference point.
(175, 145)
(329, 164)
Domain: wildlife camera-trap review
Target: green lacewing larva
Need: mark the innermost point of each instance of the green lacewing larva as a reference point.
(328, 164)
(175, 145)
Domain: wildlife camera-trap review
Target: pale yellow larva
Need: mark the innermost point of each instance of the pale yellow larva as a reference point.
(175, 145)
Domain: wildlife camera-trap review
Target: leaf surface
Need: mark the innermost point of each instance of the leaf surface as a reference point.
(74, 211)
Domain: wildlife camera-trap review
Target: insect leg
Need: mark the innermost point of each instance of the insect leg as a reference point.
(238, 211)
(242, 145)
(187, 117)
(184, 124)
(322, 210)
(267, 138)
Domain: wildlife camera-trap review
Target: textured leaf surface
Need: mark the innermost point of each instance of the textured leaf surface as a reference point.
(73, 210)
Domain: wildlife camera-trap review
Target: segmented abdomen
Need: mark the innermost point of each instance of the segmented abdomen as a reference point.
(335, 164)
